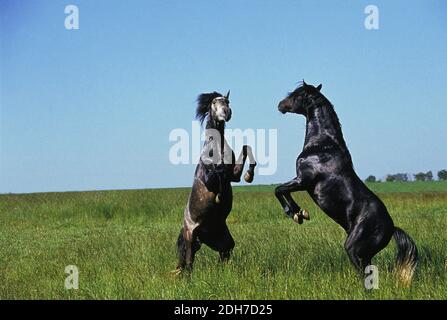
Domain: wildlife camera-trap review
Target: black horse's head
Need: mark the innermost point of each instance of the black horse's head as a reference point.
(299, 100)
(215, 106)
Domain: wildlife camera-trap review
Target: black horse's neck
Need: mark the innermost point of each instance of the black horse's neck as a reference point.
(323, 124)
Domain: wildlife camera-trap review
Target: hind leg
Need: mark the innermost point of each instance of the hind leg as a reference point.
(364, 242)
(187, 246)
(359, 261)
(219, 239)
(227, 245)
(356, 246)
(181, 251)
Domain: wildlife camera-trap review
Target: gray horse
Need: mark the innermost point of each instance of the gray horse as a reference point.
(211, 197)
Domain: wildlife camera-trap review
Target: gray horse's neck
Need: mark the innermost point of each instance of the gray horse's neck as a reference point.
(217, 125)
(211, 140)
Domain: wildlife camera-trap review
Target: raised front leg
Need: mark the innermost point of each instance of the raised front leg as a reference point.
(239, 166)
(290, 207)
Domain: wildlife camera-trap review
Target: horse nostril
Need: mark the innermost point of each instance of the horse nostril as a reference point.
(281, 107)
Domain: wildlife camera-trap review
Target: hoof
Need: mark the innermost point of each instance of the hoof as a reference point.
(305, 214)
(301, 216)
(248, 177)
(177, 272)
(225, 262)
(297, 218)
(218, 198)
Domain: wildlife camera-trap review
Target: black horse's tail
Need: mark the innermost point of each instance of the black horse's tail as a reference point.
(407, 255)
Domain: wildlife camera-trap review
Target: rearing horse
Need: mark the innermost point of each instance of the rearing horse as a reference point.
(211, 197)
(324, 169)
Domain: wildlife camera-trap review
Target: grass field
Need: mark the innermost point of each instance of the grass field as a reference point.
(123, 243)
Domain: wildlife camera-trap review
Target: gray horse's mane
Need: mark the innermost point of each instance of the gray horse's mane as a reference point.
(204, 103)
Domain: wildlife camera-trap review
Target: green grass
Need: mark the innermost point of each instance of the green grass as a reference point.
(123, 243)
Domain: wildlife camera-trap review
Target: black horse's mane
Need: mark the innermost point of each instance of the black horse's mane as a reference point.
(313, 91)
(318, 95)
(203, 104)
(327, 104)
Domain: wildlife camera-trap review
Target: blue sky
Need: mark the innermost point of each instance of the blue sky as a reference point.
(92, 108)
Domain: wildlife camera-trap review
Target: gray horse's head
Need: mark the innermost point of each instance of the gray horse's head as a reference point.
(215, 106)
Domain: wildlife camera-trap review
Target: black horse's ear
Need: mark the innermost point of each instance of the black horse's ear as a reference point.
(319, 87)
(227, 96)
(304, 83)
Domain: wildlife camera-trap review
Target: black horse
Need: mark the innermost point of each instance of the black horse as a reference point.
(324, 169)
(211, 198)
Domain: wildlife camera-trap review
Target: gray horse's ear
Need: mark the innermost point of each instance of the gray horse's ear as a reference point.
(319, 87)
(227, 95)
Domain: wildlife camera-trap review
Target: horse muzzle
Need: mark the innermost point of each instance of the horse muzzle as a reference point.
(224, 116)
(228, 115)
(283, 107)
